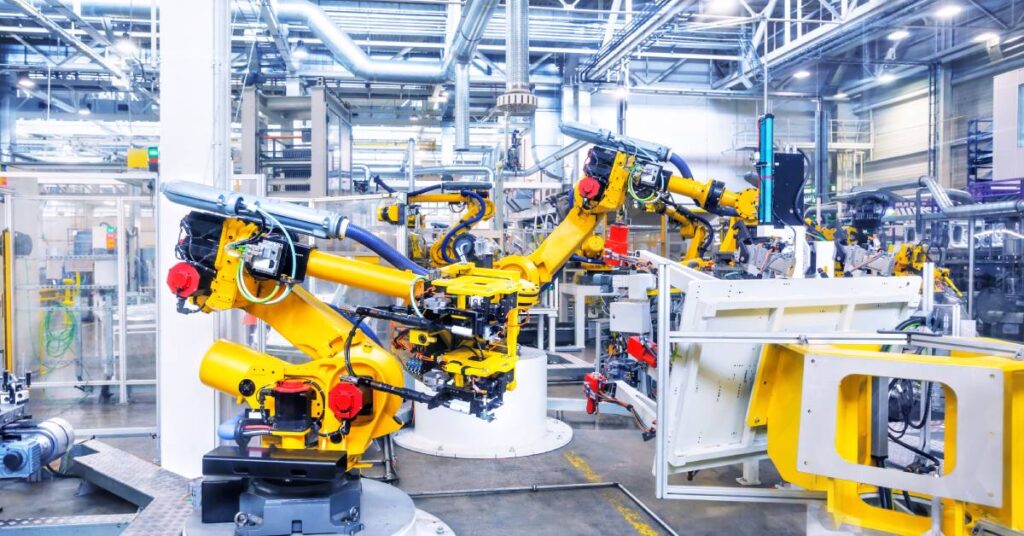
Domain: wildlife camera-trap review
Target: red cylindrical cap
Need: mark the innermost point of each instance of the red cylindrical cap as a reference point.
(589, 188)
(345, 401)
(183, 278)
(292, 386)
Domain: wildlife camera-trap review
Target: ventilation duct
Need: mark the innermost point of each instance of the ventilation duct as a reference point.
(346, 52)
(517, 99)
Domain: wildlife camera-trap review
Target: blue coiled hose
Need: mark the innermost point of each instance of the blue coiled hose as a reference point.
(464, 225)
(383, 249)
(681, 165)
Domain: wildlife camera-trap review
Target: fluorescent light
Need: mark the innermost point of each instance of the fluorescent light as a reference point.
(948, 11)
(621, 93)
(26, 82)
(84, 111)
(899, 35)
(987, 37)
(801, 74)
(720, 6)
(886, 78)
(840, 95)
(125, 45)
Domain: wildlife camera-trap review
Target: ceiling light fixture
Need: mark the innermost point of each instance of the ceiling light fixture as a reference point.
(720, 6)
(621, 92)
(886, 78)
(898, 35)
(840, 96)
(26, 82)
(987, 37)
(84, 111)
(948, 11)
(801, 74)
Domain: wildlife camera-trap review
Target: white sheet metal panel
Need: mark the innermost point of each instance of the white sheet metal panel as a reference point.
(710, 383)
(976, 478)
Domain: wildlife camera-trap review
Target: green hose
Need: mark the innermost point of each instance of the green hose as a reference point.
(58, 338)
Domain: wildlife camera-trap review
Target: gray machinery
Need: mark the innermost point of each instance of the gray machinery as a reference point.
(302, 144)
(27, 445)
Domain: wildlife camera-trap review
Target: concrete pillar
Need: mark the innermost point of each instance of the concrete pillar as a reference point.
(194, 136)
(7, 119)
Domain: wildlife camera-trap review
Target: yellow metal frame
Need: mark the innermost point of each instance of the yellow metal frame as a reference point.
(776, 404)
(8, 300)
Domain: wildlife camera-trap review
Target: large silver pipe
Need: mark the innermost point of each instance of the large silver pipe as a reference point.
(298, 218)
(470, 31)
(556, 156)
(351, 56)
(978, 210)
(456, 171)
(365, 169)
(939, 194)
(607, 138)
(517, 51)
(461, 106)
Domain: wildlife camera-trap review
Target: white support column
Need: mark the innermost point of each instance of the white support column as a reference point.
(194, 135)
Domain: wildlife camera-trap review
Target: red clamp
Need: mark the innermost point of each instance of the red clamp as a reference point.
(643, 350)
(593, 387)
(345, 401)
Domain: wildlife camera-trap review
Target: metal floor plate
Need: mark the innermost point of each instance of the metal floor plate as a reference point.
(163, 496)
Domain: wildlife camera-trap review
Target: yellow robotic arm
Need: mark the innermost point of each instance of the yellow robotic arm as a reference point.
(449, 247)
(237, 254)
(610, 176)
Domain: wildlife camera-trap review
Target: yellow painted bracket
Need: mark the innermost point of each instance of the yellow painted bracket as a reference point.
(777, 403)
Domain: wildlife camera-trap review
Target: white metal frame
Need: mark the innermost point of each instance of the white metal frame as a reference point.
(121, 381)
(672, 275)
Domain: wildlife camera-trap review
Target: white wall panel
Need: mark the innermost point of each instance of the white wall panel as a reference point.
(1007, 154)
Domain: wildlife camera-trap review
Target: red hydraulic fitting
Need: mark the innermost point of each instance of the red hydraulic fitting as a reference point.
(617, 242)
(589, 188)
(643, 350)
(183, 278)
(593, 386)
(345, 400)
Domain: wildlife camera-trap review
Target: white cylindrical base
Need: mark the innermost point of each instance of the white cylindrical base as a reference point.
(521, 426)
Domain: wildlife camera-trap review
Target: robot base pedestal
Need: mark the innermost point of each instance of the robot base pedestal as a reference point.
(520, 427)
(386, 511)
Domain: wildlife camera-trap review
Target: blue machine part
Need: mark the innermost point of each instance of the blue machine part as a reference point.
(25, 447)
(766, 168)
(21, 459)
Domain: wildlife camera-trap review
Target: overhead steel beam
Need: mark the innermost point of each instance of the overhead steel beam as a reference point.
(989, 14)
(668, 72)
(89, 29)
(277, 33)
(53, 101)
(817, 39)
(26, 7)
(635, 35)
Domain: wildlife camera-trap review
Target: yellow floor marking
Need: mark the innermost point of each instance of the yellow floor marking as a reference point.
(628, 514)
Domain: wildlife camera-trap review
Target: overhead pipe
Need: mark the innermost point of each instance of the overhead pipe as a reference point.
(295, 218)
(517, 99)
(351, 56)
(462, 107)
(556, 156)
(943, 200)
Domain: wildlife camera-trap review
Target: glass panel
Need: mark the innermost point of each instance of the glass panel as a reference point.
(68, 315)
(1020, 115)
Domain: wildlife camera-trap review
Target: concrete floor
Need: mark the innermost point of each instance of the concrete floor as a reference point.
(604, 448)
